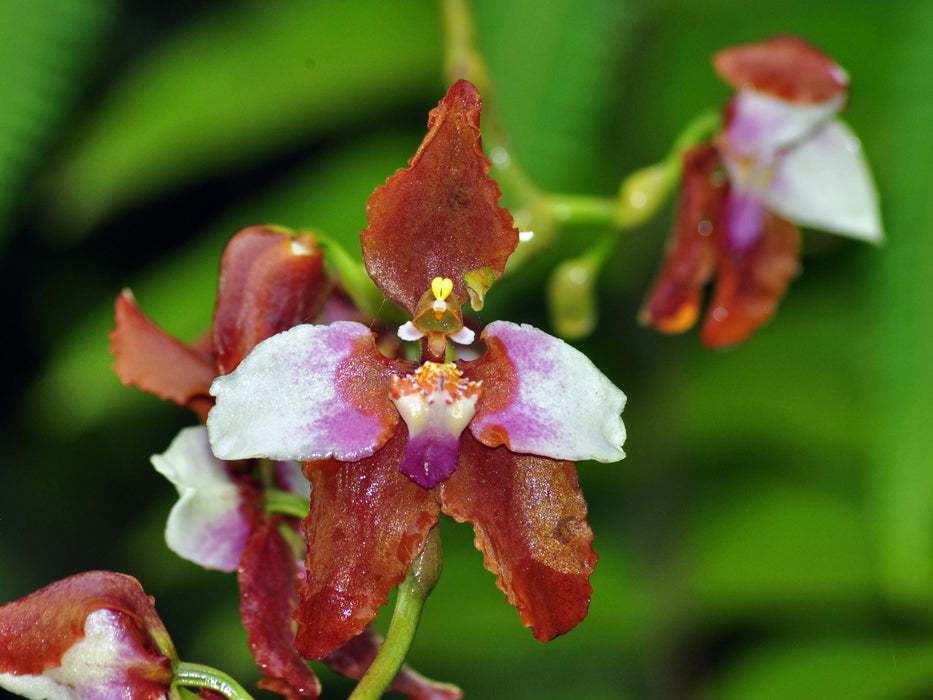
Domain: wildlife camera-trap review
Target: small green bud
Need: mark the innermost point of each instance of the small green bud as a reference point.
(572, 299)
(643, 192)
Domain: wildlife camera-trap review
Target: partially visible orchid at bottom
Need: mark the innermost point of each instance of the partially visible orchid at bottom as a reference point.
(95, 636)
(389, 443)
(782, 159)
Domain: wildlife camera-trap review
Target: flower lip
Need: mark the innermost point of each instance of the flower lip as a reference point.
(436, 405)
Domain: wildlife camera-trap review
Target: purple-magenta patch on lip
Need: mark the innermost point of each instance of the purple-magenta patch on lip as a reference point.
(431, 456)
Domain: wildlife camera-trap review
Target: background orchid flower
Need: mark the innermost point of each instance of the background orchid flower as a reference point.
(486, 441)
(93, 636)
(782, 159)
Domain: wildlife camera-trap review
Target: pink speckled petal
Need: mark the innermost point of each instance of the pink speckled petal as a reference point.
(309, 393)
(206, 526)
(544, 397)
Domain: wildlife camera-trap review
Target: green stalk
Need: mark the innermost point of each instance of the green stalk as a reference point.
(286, 503)
(412, 594)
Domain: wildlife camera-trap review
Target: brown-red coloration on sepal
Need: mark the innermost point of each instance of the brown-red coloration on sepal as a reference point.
(270, 280)
(785, 67)
(366, 525)
(268, 577)
(36, 631)
(368, 522)
(150, 359)
(673, 305)
(749, 283)
(440, 216)
(529, 517)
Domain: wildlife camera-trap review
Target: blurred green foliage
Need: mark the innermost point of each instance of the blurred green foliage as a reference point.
(770, 534)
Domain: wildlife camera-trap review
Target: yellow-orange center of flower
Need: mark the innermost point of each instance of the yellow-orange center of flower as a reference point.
(433, 381)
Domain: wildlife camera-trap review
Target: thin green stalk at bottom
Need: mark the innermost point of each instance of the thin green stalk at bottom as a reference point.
(200, 676)
(412, 594)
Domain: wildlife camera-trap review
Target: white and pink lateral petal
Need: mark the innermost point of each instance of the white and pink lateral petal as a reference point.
(309, 393)
(541, 396)
(825, 183)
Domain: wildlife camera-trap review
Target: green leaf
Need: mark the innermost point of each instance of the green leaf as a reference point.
(244, 82)
(767, 547)
(901, 323)
(45, 50)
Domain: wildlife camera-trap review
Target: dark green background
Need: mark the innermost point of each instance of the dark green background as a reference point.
(770, 534)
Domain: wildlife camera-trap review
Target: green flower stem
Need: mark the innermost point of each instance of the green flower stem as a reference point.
(698, 130)
(412, 594)
(286, 503)
(546, 213)
(206, 677)
(582, 209)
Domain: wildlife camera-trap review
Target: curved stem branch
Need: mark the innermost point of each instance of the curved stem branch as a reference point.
(286, 503)
(201, 676)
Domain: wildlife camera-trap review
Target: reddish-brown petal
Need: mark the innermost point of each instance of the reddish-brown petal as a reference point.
(268, 578)
(785, 67)
(37, 630)
(149, 358)
(354, 658)
(673, 305)
(749, 285)
(367, 523)
(270, 280)
(529, 517)
(440, 216)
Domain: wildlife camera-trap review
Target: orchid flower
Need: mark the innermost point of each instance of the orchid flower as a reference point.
(782, 159)
(93, 636)
(387, 443)
(269, 280)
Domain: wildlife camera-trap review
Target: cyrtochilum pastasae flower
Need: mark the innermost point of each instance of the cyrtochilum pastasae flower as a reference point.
(389, 443)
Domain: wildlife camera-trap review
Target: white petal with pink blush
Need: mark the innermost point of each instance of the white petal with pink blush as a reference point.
(104, 665)
(206, 525)
(825, 183)
(760, 125)
(563, 406)
(282, 401)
